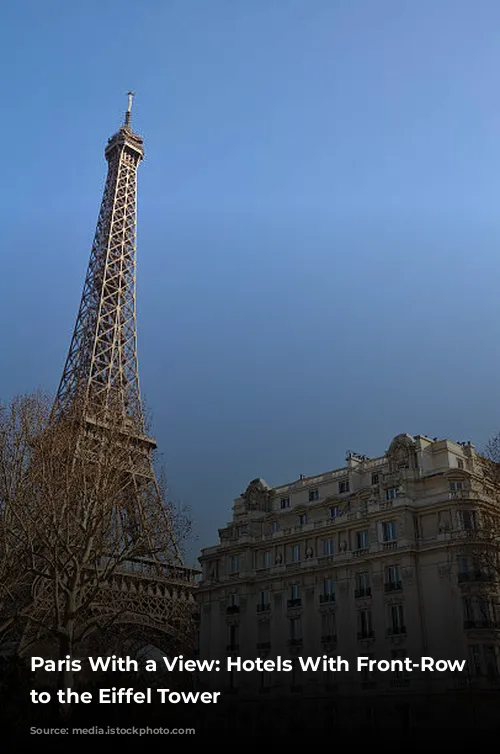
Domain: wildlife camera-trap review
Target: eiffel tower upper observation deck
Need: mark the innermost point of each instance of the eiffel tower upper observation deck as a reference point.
(101, 375)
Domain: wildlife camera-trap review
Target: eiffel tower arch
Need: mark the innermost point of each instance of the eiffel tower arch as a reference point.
(150, 595)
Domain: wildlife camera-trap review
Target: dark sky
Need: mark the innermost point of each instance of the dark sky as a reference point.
(319, 228)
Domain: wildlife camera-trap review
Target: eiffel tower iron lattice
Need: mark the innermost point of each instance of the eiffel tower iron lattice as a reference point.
(101, 379)
(101, 368)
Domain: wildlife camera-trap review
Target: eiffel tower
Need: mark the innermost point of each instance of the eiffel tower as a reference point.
(101, 375)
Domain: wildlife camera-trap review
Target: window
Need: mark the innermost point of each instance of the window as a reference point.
(365, 624)
(328, 547)
(295, 592)
(234, 564)
(397, 622)
(295, 553)
(328, 594)
(374, 479)
(328, 627)
(303, 519)
(362, 540)
(233, 600)
(343, 486)
(265, 598)
(334, 512)
(329, 587)
(389, 531)
(391, 493)
(313, 495)
(479, 612)
(363, 588)
(456, 486)
(295, 629)
(460, 463)
(393, 577)
(467, 520)
(275, 526)
(266, 559)
(284, 503)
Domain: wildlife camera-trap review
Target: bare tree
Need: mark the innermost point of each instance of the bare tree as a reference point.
(487, 523)
(82, 539)
(20, 422)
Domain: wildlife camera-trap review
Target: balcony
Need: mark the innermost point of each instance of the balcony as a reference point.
(263, 607)
(326, 598)
(396, 631)
(365, 592)
(232, 609)
(295, 642)
(471, 576)
(393, 586)
(294, 603)
(365, 635)
(389, 545)
(481, 624)
(328, 639)
(360, 552)
(264, 645)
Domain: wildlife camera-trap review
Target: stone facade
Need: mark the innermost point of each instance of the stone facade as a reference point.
(381, 558)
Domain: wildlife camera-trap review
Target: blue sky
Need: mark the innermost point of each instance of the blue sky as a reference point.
(319, 225)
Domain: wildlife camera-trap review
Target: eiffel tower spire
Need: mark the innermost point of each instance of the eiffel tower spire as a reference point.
(101, 376)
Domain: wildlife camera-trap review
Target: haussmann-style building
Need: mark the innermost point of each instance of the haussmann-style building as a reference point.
(381, 558)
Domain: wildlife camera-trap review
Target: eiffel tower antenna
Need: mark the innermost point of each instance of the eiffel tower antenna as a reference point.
(101, 374)
(129, 108)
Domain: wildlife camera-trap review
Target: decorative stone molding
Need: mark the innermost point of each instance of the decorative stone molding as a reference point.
(394, 599)
(398, 639)
(258, 496)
